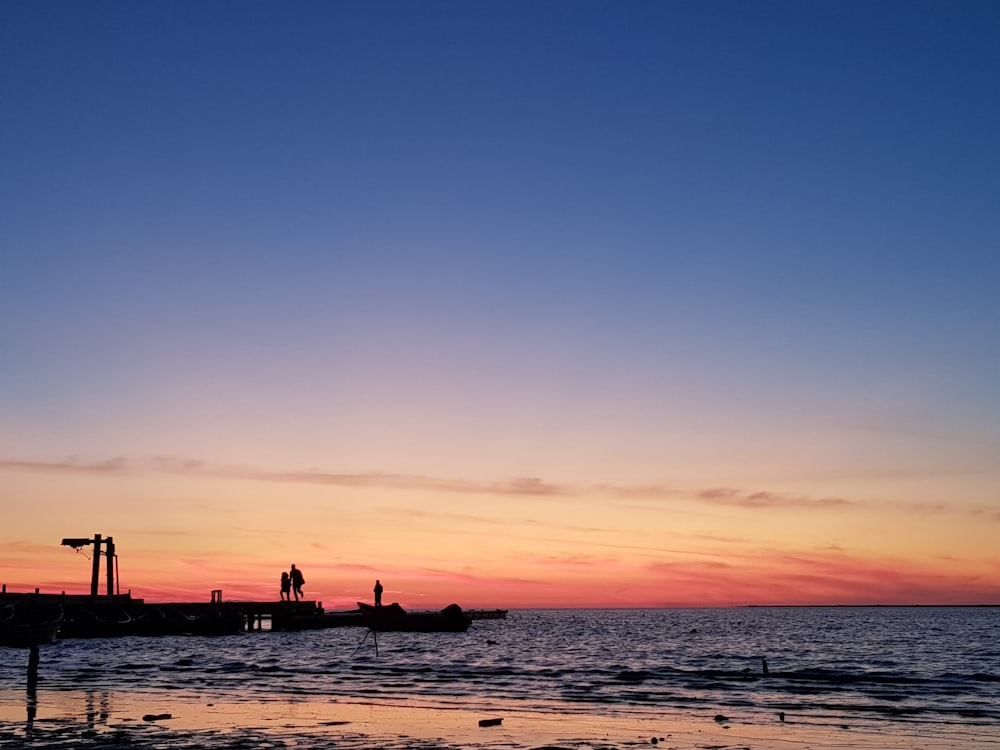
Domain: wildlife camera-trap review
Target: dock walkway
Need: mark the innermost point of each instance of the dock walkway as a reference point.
(280, 615)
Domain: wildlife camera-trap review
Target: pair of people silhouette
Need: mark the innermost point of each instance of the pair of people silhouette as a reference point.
(291, 584)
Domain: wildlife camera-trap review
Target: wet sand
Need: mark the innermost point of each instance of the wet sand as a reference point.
(94, 720)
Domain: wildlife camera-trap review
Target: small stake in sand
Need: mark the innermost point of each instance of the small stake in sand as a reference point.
(375, 638)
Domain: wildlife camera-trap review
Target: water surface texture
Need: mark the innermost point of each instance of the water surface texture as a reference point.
(932, 665)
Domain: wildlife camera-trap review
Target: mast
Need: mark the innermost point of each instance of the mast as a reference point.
(95, 576)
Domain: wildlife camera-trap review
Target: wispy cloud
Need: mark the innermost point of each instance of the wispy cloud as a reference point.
(69, 465)
(525, 486)
(532, 486)
(578, 561)
(990, 515)
(535, 487)
(727, 496)
(763, 499)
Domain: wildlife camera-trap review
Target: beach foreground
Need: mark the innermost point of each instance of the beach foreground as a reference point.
(86, 720)
(572, 680)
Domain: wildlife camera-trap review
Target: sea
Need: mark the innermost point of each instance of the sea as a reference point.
(840, 665)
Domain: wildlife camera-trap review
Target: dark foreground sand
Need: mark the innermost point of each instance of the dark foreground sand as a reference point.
(99, 722)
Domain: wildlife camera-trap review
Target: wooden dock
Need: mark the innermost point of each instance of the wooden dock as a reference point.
(98, 610)
(116, 614)
(281, 615)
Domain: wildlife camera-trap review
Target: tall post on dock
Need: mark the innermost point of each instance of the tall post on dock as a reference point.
(110, 545)
(96, 576)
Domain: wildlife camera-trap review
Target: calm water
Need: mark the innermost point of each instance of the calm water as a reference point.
(844, 664)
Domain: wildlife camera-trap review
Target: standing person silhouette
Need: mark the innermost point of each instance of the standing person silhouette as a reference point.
(286, 587)
(297, 580)
(378, 593)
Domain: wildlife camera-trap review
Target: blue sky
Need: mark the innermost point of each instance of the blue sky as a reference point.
(720, 190)
(715, 242)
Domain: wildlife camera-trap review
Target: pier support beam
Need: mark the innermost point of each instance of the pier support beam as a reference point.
(96, 576)
(110, 554)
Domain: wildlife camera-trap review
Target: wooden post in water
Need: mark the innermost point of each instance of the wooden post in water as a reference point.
(32, 685)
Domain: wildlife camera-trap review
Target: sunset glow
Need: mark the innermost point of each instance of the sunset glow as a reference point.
(505, 305)
(182, 530)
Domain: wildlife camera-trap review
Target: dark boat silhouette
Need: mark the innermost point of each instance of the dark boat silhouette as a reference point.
(393, 618)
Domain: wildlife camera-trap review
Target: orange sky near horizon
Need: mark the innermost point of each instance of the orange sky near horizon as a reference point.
(182, 529)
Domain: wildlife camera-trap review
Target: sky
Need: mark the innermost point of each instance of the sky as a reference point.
(509, 304)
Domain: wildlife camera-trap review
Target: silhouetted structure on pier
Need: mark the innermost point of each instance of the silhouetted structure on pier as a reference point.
(109, 552)
(115, 614)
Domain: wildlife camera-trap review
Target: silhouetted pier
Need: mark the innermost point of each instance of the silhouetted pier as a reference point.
(115, 614)
(281, 615)
(86, 616)
(100, 616)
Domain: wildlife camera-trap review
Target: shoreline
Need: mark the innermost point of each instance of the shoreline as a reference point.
(98, 719)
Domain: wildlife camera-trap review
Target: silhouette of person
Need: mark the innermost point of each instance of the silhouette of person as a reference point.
(286, 587)
(378, 593)
(297, 580)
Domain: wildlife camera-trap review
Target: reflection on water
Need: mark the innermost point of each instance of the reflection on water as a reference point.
(839, 665)
(98, 709)
(91, 707)
(32, 685)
